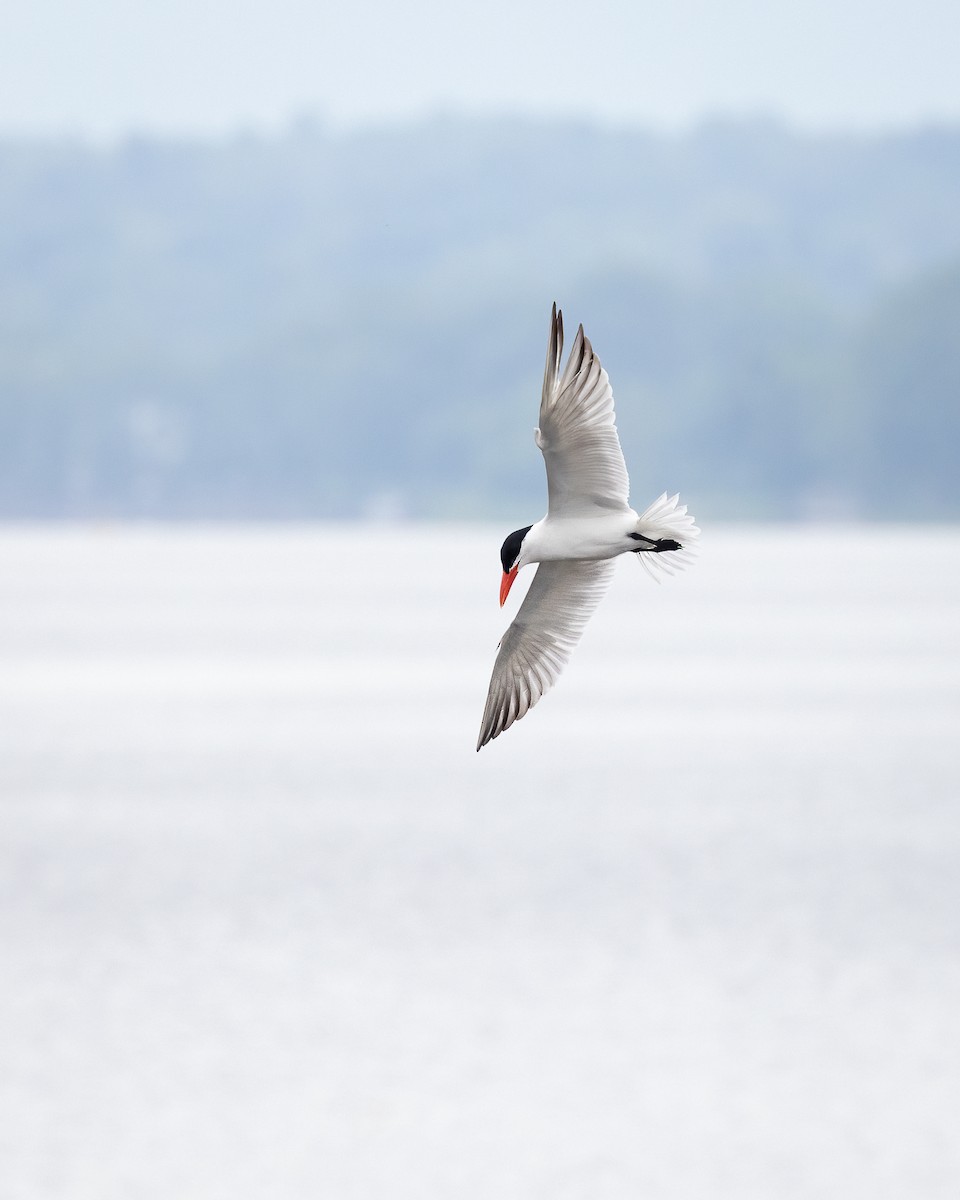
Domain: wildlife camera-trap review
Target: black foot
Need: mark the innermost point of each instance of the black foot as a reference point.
(654, 545)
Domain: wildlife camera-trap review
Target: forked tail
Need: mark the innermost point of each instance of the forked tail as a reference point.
(666, 520)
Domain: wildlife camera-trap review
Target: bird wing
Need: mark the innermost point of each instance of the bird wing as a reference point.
(535, 648)
(586, 473)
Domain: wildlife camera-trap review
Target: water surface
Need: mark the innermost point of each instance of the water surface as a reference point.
(270, 927)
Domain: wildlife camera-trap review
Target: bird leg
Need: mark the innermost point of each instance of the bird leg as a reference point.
(655, 546)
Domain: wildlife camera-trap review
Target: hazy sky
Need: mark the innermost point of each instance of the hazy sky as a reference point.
(106, 67)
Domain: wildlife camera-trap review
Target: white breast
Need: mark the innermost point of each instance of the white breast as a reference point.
(555, 539)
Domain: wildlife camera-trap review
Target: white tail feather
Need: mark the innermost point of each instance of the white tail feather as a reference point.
(666, 517)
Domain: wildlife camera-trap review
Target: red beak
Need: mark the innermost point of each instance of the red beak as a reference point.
(506, 583)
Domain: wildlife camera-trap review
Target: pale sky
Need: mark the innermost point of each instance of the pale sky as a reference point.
(105, 68)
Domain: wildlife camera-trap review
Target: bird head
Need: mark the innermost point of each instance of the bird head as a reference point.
(511, 556)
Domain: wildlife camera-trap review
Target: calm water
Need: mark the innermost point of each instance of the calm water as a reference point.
(270, 927)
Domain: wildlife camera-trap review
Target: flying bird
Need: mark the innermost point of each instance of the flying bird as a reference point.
(589, 522)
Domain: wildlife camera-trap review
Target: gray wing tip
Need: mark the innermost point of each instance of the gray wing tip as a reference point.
(493, 722)
(488, 731)
(484, 735)
(500, 713)
(554, 354)
(581, 355)
(488, 726)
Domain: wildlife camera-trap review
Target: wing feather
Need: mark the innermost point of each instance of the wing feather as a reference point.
(577, 434)
(536, 647)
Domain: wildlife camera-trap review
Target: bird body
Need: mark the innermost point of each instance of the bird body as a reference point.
(598, 537)
(589, 522)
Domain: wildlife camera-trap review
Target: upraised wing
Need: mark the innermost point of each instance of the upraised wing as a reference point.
(586, 473)
(536, 647)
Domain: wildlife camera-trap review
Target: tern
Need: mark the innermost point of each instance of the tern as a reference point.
(589, 522)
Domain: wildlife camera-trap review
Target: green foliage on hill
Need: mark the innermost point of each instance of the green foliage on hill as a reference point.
(327, 325)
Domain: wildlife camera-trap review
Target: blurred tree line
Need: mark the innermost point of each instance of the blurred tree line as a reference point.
(324, 324)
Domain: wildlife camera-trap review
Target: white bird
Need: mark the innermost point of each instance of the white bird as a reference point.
(589, 522)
